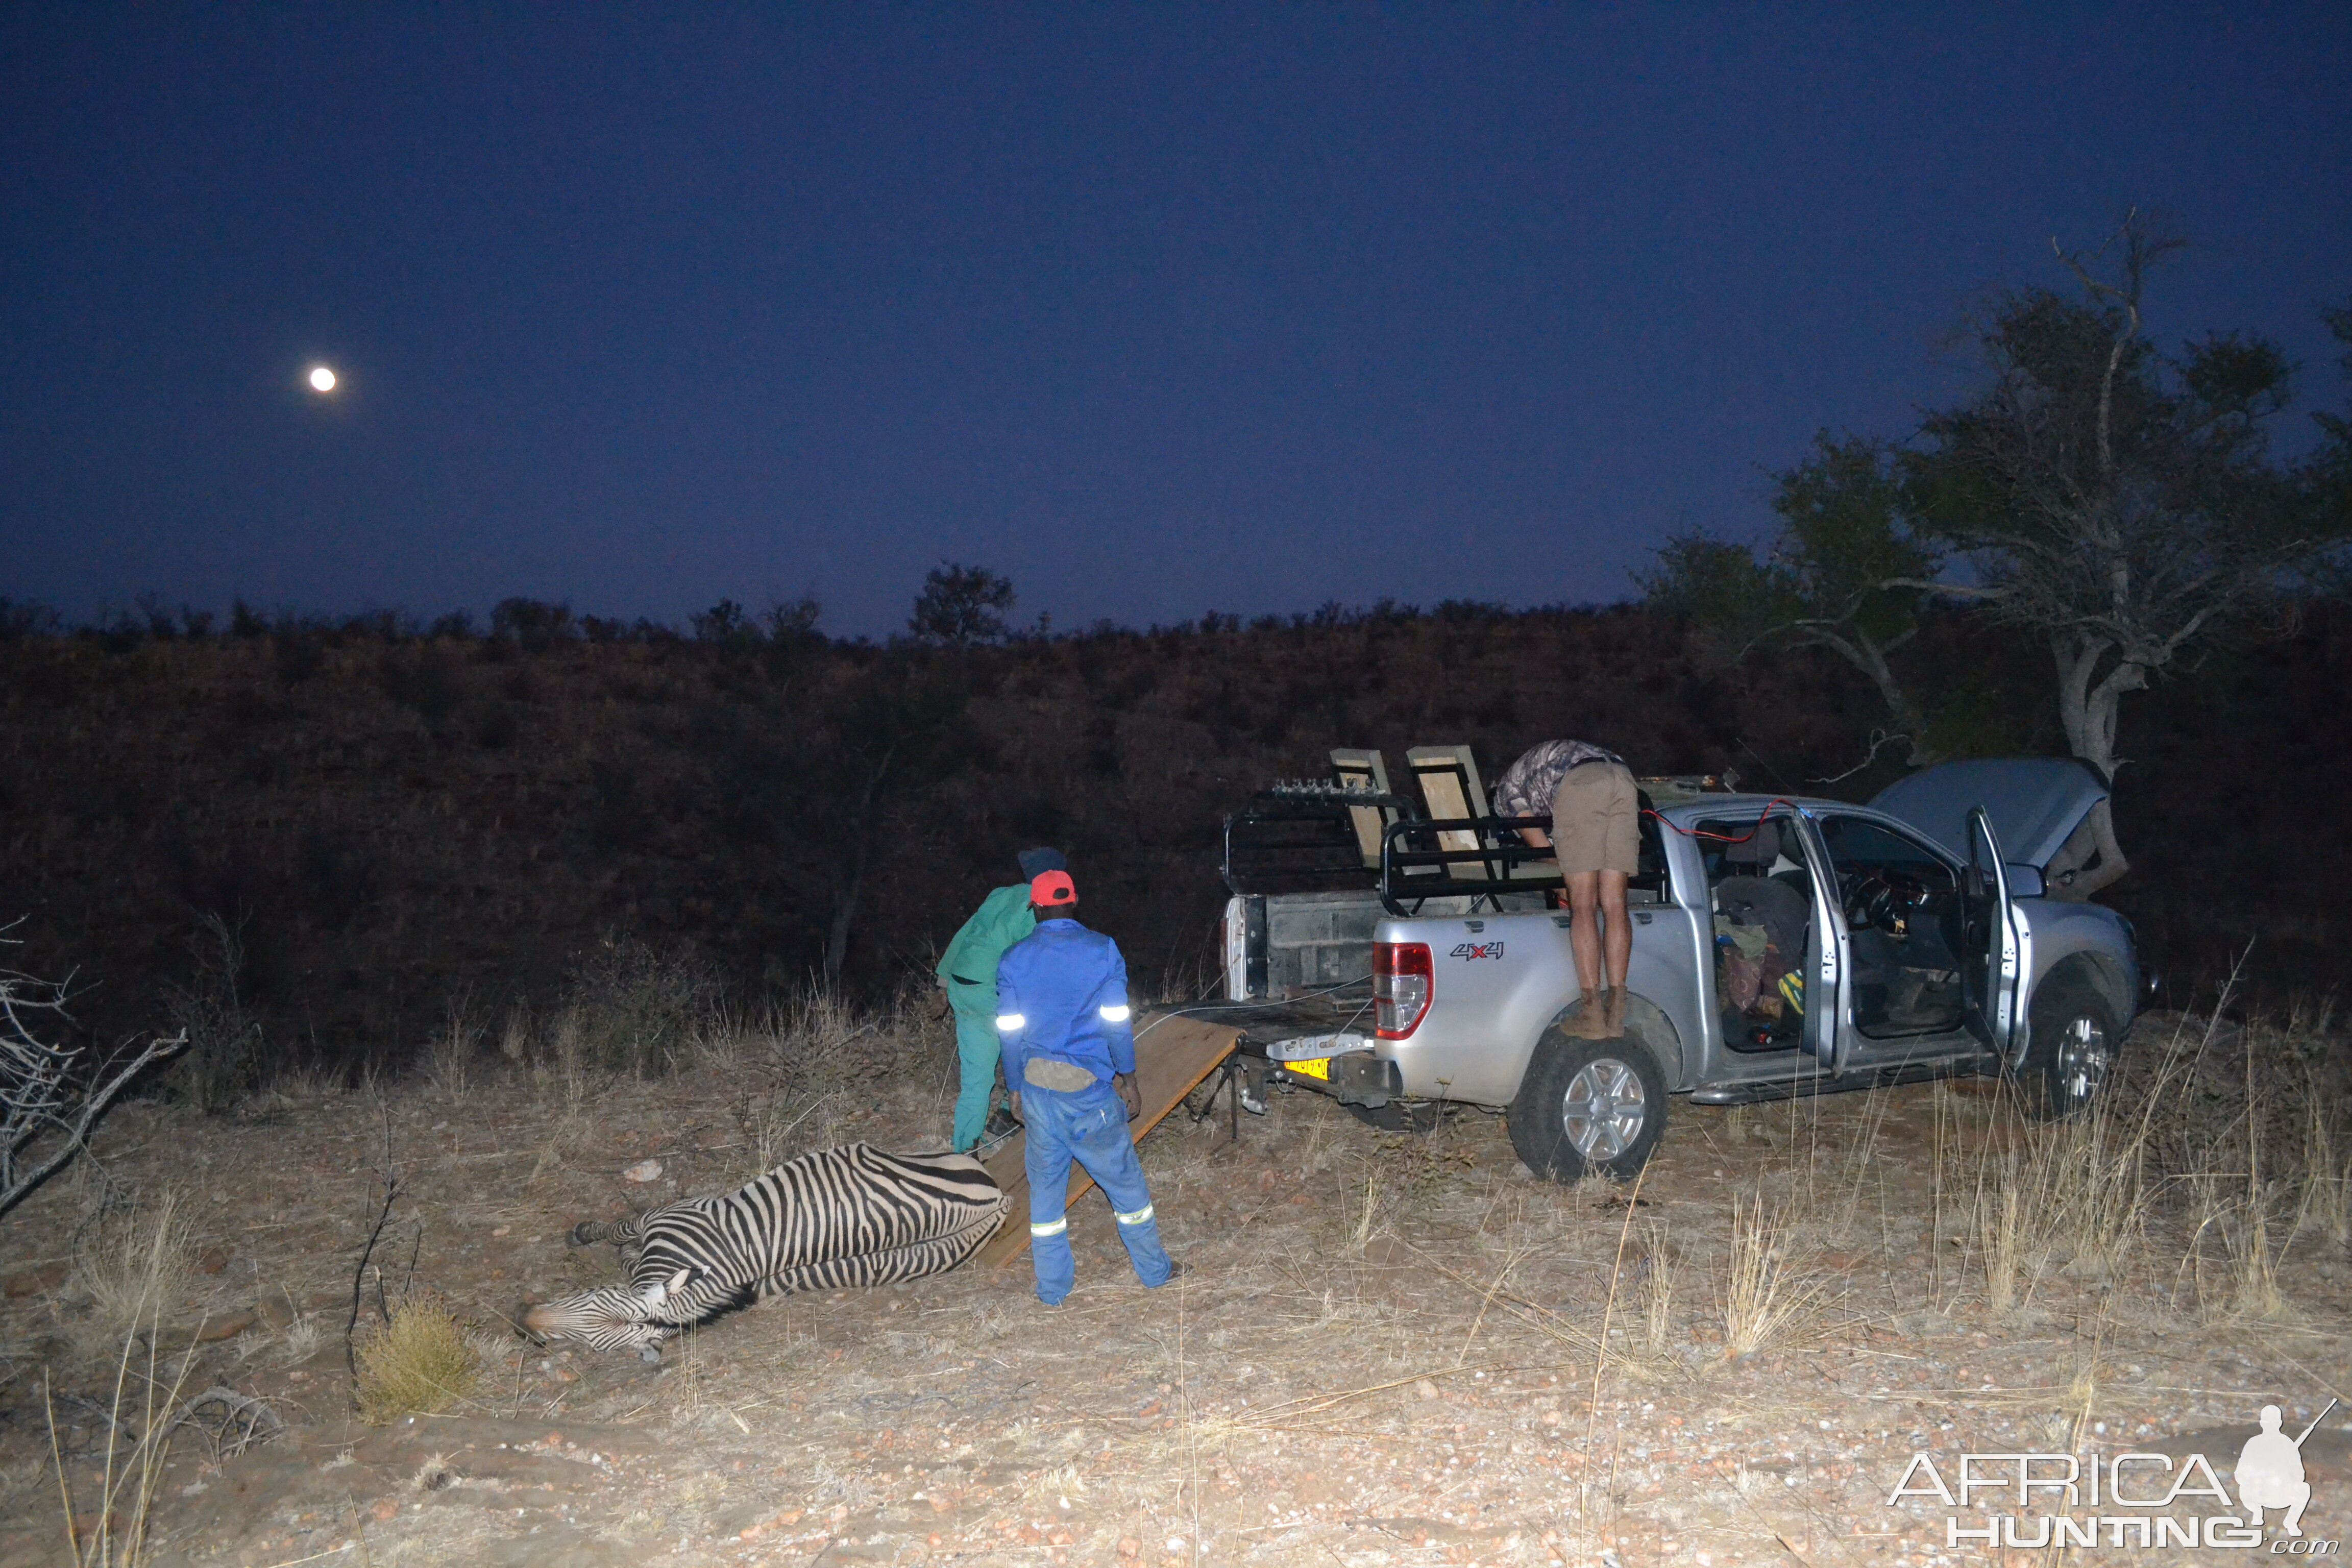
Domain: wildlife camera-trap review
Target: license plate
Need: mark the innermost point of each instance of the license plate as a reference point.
(1317, 1067)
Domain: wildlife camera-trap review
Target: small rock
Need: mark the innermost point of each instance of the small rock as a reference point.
(278, 1313)
(1423, 1389)
(212, 1260)
(35, 1281)
(1128, 1546)
(224, 1326)
(643, 1171)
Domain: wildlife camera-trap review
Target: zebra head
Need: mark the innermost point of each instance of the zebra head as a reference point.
(610, 1317)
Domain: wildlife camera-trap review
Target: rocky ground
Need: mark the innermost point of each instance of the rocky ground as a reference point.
(1390, 1348)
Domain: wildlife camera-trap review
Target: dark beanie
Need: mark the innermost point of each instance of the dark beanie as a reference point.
(1035, 861)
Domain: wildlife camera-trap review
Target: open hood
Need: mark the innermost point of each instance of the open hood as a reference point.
(2035, 803)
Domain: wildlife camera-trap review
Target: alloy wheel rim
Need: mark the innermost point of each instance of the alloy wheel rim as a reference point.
(1604, 1109)
(2082, 1058)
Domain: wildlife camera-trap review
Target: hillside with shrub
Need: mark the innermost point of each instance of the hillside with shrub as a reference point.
(324, 833)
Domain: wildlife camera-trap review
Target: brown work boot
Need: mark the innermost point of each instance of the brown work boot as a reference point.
(1613, 1014)
(1585, 1022)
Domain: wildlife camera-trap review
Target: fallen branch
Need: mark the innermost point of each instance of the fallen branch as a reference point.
(249, 1420)
(42, 1090)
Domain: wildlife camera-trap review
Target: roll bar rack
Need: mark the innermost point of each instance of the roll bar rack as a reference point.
(1297, 837)
(1416, 867)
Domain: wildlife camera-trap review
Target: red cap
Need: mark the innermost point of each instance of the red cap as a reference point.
(1047, 888)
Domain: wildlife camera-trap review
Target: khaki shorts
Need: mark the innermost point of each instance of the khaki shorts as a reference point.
(1596, 819)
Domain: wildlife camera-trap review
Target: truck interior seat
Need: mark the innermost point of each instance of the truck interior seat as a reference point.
(1763, 865)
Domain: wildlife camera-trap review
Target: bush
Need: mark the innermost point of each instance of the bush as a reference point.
(418, 1364)
(226, 1056)
(630, 1007)
(490, 723)
(424, 680)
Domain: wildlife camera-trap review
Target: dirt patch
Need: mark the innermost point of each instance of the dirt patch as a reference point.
(1432, 1358)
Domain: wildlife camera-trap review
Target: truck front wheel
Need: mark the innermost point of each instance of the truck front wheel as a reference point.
(1588, 1106)
(2071, 1047)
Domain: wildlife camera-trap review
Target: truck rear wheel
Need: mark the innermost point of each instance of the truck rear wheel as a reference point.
(1585, 1106)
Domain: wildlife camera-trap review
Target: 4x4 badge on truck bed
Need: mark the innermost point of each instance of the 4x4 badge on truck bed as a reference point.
(1477, 950)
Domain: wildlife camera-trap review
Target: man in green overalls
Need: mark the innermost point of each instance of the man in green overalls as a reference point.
(968, 974)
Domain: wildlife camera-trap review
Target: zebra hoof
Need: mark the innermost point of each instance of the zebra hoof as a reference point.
(649, 1354)
(582, 1235)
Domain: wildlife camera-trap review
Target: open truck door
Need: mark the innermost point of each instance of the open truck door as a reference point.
(1828, 958)
(1992, 946)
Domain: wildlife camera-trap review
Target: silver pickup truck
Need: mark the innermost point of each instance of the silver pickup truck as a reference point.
(1781, 947)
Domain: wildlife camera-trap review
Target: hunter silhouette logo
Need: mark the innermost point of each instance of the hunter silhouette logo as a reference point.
(2270, 1472)
(1477, 950)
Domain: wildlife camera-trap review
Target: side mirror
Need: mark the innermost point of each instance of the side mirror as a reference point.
(2024, 882)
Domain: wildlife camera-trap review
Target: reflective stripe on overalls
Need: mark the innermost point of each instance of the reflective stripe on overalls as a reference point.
(1056, 1227)
(1137, 1218)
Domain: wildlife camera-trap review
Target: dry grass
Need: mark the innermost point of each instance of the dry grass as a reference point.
(451, 1054)
(1660, 1332)
(422, 1363)
(1404, 1327)
(111, 1530)
(2010, 1226)
(1766, 1293)
(2324, 1205)
(132, 1267)
(2174, 1170)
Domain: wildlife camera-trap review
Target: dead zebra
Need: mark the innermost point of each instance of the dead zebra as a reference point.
(836, 1219)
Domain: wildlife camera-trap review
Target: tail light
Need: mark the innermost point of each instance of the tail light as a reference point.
(1401, 981)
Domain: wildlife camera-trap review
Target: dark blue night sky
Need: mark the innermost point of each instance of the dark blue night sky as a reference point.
(1158, 310)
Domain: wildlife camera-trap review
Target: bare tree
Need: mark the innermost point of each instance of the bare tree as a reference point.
(50, 1097)
(889, 730)
(2119, 505)
(2122, 507)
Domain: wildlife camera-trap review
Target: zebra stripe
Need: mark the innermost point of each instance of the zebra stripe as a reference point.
(838, 1218)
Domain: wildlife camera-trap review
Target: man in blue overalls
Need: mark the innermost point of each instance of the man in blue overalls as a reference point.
(1069, 1060)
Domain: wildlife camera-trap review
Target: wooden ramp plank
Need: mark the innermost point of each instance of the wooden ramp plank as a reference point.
(1172, 1055)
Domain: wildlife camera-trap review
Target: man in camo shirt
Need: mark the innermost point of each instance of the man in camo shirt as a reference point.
(1589, 792)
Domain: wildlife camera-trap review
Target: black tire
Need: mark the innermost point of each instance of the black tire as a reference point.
(1551, 1119)
(2071, 1041)
(1397, 1116)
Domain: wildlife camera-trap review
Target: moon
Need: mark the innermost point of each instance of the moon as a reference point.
(322, 379)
